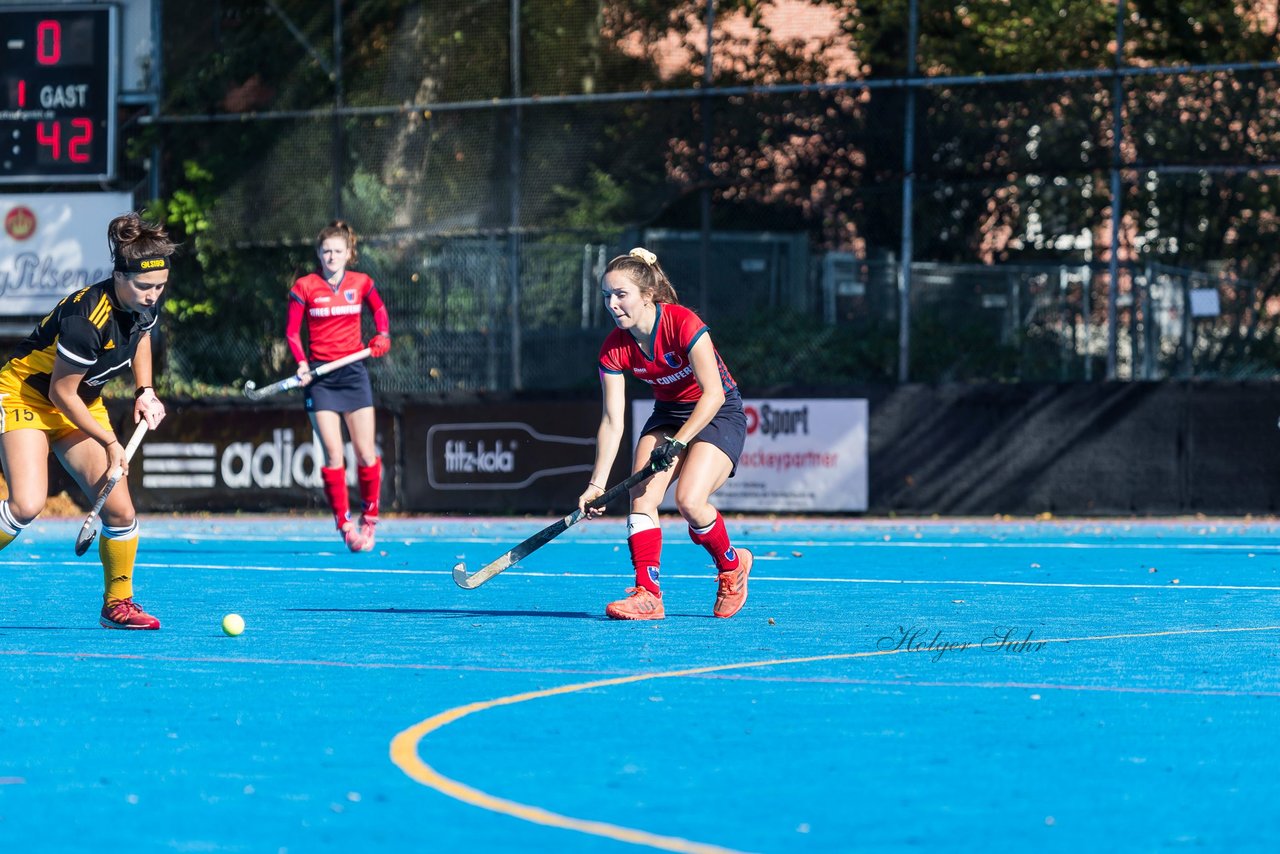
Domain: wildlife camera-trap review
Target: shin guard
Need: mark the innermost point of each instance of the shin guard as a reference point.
(335, 491)
(117, 549)
(645, 543)
(715, 539)
(370, 480)
(10, 527)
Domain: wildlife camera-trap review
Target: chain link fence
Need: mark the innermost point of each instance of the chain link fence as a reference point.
(493, 164)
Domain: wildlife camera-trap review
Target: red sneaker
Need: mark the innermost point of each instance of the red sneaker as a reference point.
(125, 614)
(732, 592)
(640, 604)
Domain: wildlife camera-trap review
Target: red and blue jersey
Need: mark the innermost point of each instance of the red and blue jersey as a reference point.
(670, 372)
(333, 315)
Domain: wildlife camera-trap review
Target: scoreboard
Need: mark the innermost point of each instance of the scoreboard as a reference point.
(57, 93)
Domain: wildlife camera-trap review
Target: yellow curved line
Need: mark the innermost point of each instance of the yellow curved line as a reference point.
(404, 747)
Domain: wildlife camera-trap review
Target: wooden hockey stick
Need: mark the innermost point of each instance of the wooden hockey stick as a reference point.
(252, 391)
(546, 535)
(89, 529)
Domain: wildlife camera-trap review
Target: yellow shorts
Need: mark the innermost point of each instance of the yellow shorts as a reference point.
(22, 408)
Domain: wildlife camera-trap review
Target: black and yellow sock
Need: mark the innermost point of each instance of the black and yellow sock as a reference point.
(117, 547)
(10, 528)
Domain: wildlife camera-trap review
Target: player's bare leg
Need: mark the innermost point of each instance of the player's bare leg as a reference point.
(706, 469)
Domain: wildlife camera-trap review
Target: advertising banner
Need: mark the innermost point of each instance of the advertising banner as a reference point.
(53, 244)
(801, 455)
(512, 457)
(243, 458)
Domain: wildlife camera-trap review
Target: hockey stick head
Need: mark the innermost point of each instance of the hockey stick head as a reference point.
(85, 539)
(252, 392)
(460, 575)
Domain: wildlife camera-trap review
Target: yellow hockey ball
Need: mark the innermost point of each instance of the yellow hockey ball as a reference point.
(233, 624)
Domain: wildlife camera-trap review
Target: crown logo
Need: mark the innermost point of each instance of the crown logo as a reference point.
(20, 223)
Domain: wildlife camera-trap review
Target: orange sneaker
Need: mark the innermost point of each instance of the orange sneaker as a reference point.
(355, 539)
(640, 604)
(368, 532)
(732, 593)
(125, 614)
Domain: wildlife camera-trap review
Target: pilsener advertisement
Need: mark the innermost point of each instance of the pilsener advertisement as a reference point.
(52, 245)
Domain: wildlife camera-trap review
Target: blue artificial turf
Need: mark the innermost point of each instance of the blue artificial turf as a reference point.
(1137, 711)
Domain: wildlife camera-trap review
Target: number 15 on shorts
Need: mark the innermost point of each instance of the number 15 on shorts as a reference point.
(16, 416)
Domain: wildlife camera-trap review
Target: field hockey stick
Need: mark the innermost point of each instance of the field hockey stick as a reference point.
(252, 391)
(546, 535)
(89, 529)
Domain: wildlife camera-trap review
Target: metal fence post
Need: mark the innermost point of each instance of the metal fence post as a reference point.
(1117, 130)
(1188, 330)
(1149, 343)
(1086, 277)
(908, 194)
(704, 202)
(513, 238)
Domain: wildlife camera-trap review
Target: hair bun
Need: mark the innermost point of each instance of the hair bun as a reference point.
(644, 255)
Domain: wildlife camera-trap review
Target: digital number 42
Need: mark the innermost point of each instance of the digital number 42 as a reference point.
(78, 141)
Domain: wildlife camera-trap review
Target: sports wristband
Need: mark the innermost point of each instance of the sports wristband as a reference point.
(139, 392)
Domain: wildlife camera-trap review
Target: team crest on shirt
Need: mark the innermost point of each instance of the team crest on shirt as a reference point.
(672, 359)
(349, 296)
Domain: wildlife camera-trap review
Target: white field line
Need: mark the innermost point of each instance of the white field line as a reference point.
(786, 579)
(389, 537)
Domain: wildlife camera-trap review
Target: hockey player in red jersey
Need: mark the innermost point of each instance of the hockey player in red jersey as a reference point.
(330, 300)
(693, 438)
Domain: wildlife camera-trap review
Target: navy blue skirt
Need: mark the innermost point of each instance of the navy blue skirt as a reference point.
(345, 390)
(727, 430)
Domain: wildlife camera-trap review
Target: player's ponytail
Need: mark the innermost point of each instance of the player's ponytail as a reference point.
(133, 238)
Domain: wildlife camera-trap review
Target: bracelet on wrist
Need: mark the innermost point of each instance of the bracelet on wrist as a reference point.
(141, 390)
(596, 485)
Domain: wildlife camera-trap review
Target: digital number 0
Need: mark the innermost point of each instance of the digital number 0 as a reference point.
(48, 42)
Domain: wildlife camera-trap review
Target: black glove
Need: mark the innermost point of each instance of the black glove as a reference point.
(664, 455)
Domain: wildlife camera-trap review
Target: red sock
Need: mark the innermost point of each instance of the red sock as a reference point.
(716, 542)
(335, 490)
(370, 479)
(646, 557)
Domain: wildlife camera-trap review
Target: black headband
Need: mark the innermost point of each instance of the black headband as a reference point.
(142, 265)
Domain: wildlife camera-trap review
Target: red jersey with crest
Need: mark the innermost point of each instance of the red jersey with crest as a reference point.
(333, 315)
(670, 372)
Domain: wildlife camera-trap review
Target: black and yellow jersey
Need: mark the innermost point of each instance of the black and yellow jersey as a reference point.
(89, 330)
